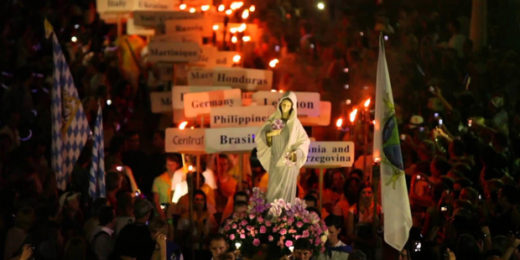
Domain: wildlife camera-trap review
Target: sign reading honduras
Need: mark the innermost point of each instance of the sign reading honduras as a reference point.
(308, 102)
(173, 51)
(202, 102)
(330, 154)
(246, 79)
(187, 140)
(240, 116)
(230, 139)
(179, 91)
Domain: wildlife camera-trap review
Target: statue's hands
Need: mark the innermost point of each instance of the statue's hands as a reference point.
(274, 132)
(292, 156)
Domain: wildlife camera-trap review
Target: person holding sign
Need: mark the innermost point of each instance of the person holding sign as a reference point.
(282, 147)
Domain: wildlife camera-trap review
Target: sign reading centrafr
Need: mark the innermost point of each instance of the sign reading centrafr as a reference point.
(187, 140)
(201, 103)
(330, 154)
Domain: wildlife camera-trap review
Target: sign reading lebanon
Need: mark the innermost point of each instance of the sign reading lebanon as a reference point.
(179, 91)
(173, 51)
(330, 154)
(230, 139)
(202, 102)
(308, 102)
(187, 140)
(246, 79)
(240, 116)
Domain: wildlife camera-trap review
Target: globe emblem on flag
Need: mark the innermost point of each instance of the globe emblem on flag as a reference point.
(391, 145)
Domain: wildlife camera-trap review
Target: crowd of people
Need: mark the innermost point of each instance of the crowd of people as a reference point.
(455, 103)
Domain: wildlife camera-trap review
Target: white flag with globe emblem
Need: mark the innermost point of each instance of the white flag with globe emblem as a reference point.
(387, 150)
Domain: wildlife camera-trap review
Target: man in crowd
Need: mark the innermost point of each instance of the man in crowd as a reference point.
(162, 187)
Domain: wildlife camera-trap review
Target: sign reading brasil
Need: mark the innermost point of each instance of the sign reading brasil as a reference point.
(230, 139)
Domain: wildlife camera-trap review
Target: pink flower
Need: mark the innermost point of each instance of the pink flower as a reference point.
(283, 231)
(260, 219)
(251, 216)
(288, 243)
(262, 229)
(243, 236)
(243, 223)
(291, 231)
(270, 238)
(299, 224)
(232, 237)
(226, 228)
(317, 241)
(305, 233)
(256, 242)
(249, 227)
(268, 223)
(234, 226)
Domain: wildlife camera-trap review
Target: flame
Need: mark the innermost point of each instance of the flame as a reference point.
(193, 10)
(204, 8)
(245, 14)
(352, 115)
(339, 122)
(242, 27)
(229, 12)
(246, 38)
(237, 58)
(252, 8)
(182, 6)
(221, 8)
(236, 5)
(234, 39)
(215, 27)
(273, 63)
(367, 103)
(183, 125)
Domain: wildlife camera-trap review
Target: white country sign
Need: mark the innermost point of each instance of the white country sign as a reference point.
(200, 77)
(173, 51)
(322, 120)
(246, 79)
(200, 26)
(239, 116)
(161, 101)
(179, 91)
(211, 57)
(187, 140)
(230, 139)
(156, 18)
(330, 154)
(308, 102)
(134, 5)
(133, 29)
(201, 103)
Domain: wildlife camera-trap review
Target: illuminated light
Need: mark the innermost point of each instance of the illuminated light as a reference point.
(215, 27)
(191, 168)
(320, 6)
(233, 30)
(234, 39)
(385, 37)
(73, 39)
(109, 102)
(277, 48)
(236, 5)
(339, 122)
(281, 91)
(204, 8)
(221, 8)
(348, 101)
(345, 70)
(76, 26)
(346, 86)
(246, 38)
(312, 46)
(193, 10)
(377, 159)
(242, 27)
(238, 245)
(237, 58)
(361, 34)
(192, 127)
(252, 8)
(183, 125)
(273, 63)
(367, 103)
(245, 14)
(352, 115)
(273, 90)
(182, 6)
(229, 12)
(291, 248)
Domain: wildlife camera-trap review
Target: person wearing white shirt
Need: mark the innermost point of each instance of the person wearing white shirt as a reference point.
(335, 248)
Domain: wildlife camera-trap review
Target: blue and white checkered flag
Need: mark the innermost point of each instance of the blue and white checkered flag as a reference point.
(70, 127)
(96, 187)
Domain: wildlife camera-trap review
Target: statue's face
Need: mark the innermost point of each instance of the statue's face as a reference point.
(286, 106)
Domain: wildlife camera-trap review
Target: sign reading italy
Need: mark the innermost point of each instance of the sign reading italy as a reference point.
(330, 154)
(240, 116)
(201, 103)
(246, 79)
(230, 139)
(187, 140)
(308, 102)
(173, 51)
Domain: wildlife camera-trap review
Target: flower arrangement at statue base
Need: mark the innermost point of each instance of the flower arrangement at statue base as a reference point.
(277, 226)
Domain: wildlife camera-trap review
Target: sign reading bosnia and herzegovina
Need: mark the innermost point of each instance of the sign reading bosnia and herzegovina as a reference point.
(240, 139)
(246, 79)
(239, 116)
(173, 51)
(330, 154)
(202, 102)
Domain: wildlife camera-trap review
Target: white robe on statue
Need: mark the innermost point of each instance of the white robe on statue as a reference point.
(283, 174)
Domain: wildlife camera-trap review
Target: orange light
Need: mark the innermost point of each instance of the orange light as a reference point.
(352, 115)
(182, 6)
(246, 38)
(193, 10)
(237, 58)
(183, 125)
(376, 158)
(221, 8)
(242, 27)
(273, 63)
(191, 168)
(367, 103)
(281, 91)
(252, 8)
(229, 12)
(245, 14)
(234, 39)
(215, 27)
(204, 8)
(236, 5)
(233, 30)
(339, 122)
